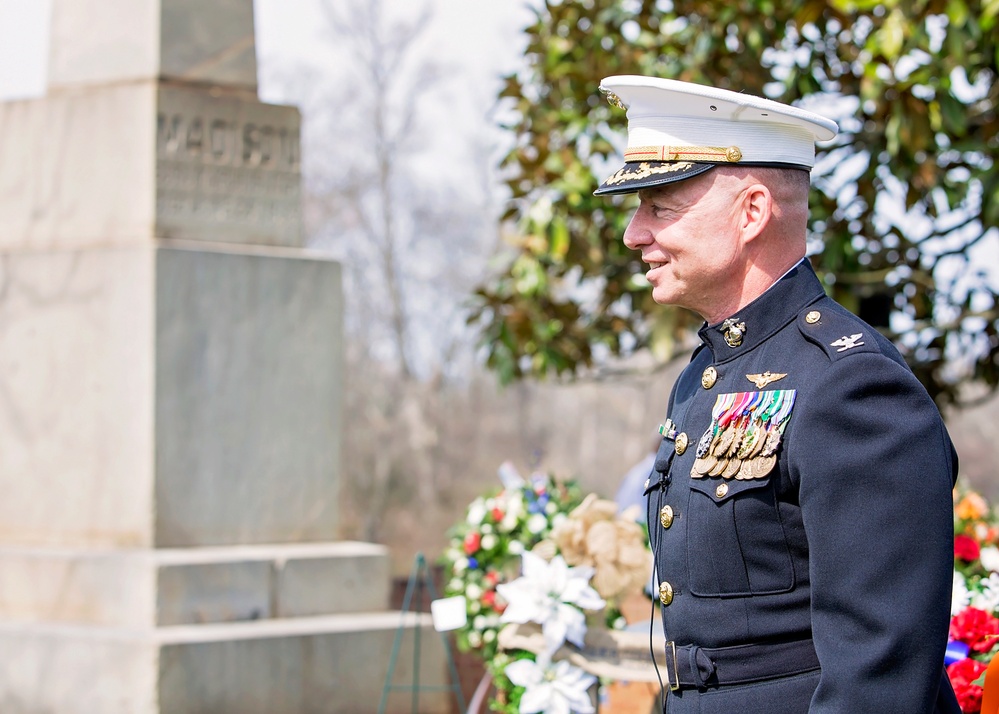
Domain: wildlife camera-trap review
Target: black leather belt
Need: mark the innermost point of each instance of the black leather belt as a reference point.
(691, 666)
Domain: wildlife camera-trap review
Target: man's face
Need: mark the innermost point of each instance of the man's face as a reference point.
(688, 234)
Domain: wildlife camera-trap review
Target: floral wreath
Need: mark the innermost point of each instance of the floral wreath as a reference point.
(575, 557)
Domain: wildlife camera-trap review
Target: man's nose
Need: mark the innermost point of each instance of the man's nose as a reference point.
(638, 232)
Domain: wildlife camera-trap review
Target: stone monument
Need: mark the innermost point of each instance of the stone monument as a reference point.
(170, 375)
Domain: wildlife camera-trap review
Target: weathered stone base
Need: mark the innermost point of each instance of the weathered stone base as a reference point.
(188, 586)
(330, 665)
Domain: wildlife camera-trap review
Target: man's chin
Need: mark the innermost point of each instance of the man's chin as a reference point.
(663, 295)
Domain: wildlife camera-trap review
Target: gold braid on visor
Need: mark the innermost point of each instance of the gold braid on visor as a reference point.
(730, 154)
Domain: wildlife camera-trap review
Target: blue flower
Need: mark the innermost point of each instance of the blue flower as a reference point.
(538, 505)
(473, 563)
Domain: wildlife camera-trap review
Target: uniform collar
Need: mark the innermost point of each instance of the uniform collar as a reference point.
(767, 314)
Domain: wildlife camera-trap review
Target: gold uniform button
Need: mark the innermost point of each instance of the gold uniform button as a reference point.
(709, 377)
(666, 516)
(722, 490)
(665, 593)
(680, 445)
(813, 317)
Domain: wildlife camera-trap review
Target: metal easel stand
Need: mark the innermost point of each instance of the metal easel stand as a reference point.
(420, 583)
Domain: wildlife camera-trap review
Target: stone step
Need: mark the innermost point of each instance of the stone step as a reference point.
(308, 665)
(182, 586)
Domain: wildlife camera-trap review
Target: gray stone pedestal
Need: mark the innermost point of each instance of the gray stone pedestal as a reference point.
(170, 382)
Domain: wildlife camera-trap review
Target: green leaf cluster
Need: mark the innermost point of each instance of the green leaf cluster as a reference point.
(905, 201)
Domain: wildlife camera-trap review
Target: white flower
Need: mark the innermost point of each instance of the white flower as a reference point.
(489, 635)
(960, 597)
(537, 523)
(460, 565)
(551, 688)
(456, 585)
(988, 598)
(515, 547)
(479, 623)
(473, 591)
(508, 523)
(486, 528)
(474, 639)
(550, 508)
(476, 512)
(990, 558)
(509, 476)
(488, 542)
(559, 519)
(553, 595)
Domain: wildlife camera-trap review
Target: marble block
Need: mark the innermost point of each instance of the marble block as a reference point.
(227, 169)
(187, 586)
(125, 164)
(125, 40)
(158, 396)
(247, 406)
(317, 665)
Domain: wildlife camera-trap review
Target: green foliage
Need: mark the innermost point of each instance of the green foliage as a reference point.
(902, 198)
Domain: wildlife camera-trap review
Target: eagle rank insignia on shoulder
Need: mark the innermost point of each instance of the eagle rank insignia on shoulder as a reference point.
(847, 343)
(745, 433)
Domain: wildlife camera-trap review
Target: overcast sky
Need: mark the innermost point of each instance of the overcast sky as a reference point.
(478, 36)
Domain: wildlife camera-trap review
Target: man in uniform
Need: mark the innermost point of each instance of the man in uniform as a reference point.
(800, 505)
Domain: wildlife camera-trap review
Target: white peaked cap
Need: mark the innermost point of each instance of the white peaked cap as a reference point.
(679, 129)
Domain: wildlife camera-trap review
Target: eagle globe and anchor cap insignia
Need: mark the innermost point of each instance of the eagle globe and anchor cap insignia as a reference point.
(733, 330)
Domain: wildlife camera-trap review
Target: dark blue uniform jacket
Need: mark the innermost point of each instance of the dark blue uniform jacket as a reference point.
(847, 539)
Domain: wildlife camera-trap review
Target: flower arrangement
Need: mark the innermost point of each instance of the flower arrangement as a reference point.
(974, 627)
(576, 558)
(484, 549)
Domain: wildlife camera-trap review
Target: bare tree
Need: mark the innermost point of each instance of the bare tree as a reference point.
(414, 225)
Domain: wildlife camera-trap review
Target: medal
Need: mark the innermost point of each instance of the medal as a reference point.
(762, 466)
(703, 466)
(772, 442)
(719, 466)
(745, 434)
(761, 438)
(720, 446)
(745, 471)
(749, 442)
(704, 444)
(732, 469)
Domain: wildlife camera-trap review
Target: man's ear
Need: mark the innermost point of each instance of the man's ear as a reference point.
(757, 210)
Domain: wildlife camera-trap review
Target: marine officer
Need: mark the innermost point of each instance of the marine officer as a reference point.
(800, 505)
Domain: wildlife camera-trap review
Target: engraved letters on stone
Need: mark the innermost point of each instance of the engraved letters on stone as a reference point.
(223, 164)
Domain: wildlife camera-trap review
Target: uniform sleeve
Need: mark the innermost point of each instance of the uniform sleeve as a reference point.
(875, 469)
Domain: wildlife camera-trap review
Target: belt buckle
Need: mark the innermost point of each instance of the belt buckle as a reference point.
(674, 681)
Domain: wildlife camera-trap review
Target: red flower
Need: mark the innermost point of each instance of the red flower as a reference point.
(976, 628)
(962, 674)
(489, 598)
(492, 578)
(472, 541)
(497, 514)
(966, 548)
